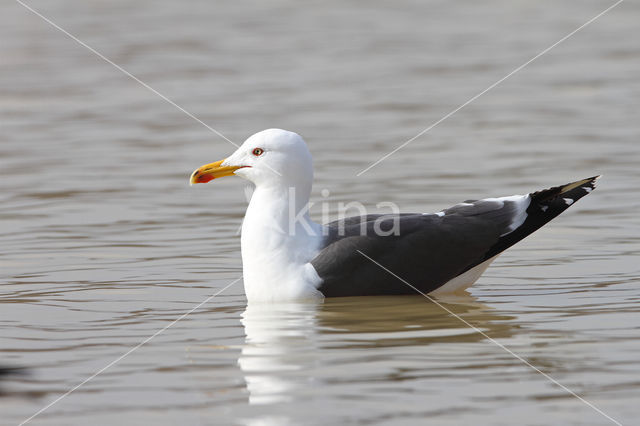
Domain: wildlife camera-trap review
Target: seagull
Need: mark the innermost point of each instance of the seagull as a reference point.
(288, 257)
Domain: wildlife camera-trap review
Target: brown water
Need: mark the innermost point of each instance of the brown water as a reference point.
(103, 242)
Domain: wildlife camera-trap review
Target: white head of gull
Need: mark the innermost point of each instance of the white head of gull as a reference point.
(286, 256)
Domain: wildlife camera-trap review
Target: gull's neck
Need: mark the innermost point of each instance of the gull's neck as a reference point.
(278, 241)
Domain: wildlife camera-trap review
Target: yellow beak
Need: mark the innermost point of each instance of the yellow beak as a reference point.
(212, 171)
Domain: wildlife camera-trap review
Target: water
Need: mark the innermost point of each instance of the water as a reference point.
(104, 243)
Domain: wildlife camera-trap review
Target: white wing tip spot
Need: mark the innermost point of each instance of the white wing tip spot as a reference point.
(439, 214)
(569, 201)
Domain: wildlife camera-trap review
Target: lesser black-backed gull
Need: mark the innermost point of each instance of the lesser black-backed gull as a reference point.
(286, 256)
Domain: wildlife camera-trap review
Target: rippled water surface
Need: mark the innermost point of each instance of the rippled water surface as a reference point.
(103, 243)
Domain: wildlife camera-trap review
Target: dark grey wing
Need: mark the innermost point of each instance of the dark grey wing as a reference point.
(429, 250)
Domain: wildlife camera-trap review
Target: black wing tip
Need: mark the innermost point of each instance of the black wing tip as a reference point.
(549, 203)
(574, 190)
(545, 205)
(587, 185)
(593, 180)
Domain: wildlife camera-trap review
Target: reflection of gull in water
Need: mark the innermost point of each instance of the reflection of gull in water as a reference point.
(408, 320)
(292, 347)
(277, 346)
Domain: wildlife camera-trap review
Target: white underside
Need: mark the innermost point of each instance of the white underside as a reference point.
(465, 280)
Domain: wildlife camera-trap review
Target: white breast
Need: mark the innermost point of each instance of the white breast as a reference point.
(276, 253)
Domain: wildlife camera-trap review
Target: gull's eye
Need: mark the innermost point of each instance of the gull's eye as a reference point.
(258, 152)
